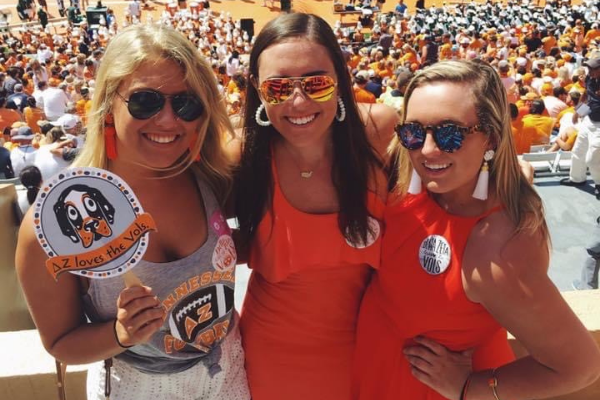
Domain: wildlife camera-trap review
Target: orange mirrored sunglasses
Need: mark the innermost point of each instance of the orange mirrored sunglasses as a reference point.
(319, 88)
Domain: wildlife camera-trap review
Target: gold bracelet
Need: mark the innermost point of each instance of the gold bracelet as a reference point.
(493, 383)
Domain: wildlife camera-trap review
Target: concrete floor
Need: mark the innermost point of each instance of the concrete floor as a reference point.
(571, 215)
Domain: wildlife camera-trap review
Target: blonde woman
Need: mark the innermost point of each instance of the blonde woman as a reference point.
(464, 259)
(169, 129)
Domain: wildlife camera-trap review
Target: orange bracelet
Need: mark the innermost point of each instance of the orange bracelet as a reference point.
(493, 383)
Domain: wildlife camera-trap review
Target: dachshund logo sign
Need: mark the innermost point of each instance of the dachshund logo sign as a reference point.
(89, 222)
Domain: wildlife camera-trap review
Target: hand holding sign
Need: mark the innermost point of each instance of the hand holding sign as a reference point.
(139, 315)
(89, 222)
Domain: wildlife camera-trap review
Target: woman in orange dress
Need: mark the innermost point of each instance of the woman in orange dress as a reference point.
(464, 259)
(310, 195)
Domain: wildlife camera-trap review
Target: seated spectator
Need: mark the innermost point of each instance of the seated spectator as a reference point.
(31, 179)
(565, 140)
(395, 97)
(374, 85)
(71, 126)
(44, 127)
(17, 100)
(6, 170)
(33, 114)
(24, 154)
(11, 80)
(83, 105)
(55, 101)
(543, 125)
(38, 93)
(523, 136)
(7, 117)
(567, 131)
(556, 102)
(360, 93)
(48, 163)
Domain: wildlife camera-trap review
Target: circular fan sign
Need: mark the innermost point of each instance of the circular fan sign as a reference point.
(90, 223)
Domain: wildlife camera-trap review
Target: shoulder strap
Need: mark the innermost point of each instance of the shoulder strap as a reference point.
(61, 370)
(490, 212)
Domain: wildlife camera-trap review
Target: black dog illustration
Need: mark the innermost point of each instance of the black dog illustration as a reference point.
(84, 214)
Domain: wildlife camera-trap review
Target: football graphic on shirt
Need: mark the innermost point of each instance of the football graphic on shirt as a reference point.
(199, 311)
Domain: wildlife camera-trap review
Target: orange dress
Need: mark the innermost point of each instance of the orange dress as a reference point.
(299, 317)
(418, 291)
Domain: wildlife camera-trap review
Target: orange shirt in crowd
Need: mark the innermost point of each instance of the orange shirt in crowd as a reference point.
(8, 117)
(363, 96)
(570, 109)
(83, 107)
(548, 42)
(591, 35)
(409, 58)
(353, 61)
(445, 51)
(32, 116)
(542, 125)
(523, 136)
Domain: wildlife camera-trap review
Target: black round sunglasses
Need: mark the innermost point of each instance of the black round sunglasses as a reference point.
(144, 104)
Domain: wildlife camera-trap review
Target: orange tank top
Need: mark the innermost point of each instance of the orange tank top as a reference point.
(418, 291)
(299, 316)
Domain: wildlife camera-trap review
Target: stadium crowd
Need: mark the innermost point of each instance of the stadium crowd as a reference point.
(543, 55)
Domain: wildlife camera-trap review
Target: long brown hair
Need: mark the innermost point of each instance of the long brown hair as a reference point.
(521, 201)
(353, 158)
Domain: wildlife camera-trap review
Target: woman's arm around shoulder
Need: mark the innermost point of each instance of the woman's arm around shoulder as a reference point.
(380, 120)
(233, 146)
(57, 309)
(507, 273)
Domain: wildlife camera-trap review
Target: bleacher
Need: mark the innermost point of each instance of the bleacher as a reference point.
(338, 9)
(8, 21)
(548, 163)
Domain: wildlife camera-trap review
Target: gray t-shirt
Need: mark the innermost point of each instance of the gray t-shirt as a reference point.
(197, 291)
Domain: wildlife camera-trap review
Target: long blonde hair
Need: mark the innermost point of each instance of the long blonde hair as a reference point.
(139, 44)
(521, 201)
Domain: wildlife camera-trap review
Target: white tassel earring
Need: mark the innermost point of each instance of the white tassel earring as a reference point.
(415, 186)
(259, 121)
(481, 190)
(342, 110)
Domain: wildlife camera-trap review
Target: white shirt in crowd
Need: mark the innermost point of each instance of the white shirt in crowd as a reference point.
(55, 102)
(566, 122)
(48, 163)
(232, 66)
(554, 105)
(38, 95)
(44, 55)
(133, 8)
(23, 201)
(508, 82)
(21, 157)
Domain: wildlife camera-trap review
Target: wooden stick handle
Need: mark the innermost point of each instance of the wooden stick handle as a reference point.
(131, 279)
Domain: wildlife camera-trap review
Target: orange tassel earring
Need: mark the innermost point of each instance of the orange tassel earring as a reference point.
(192, 149)
(110, 137)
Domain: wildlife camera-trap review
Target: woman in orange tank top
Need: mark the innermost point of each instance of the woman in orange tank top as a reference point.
(310, 195)
(462, 263)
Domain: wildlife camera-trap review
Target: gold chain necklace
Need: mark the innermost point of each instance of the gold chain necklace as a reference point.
(306, 174)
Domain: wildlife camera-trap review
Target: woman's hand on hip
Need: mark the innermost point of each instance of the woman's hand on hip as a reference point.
(443, 370)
